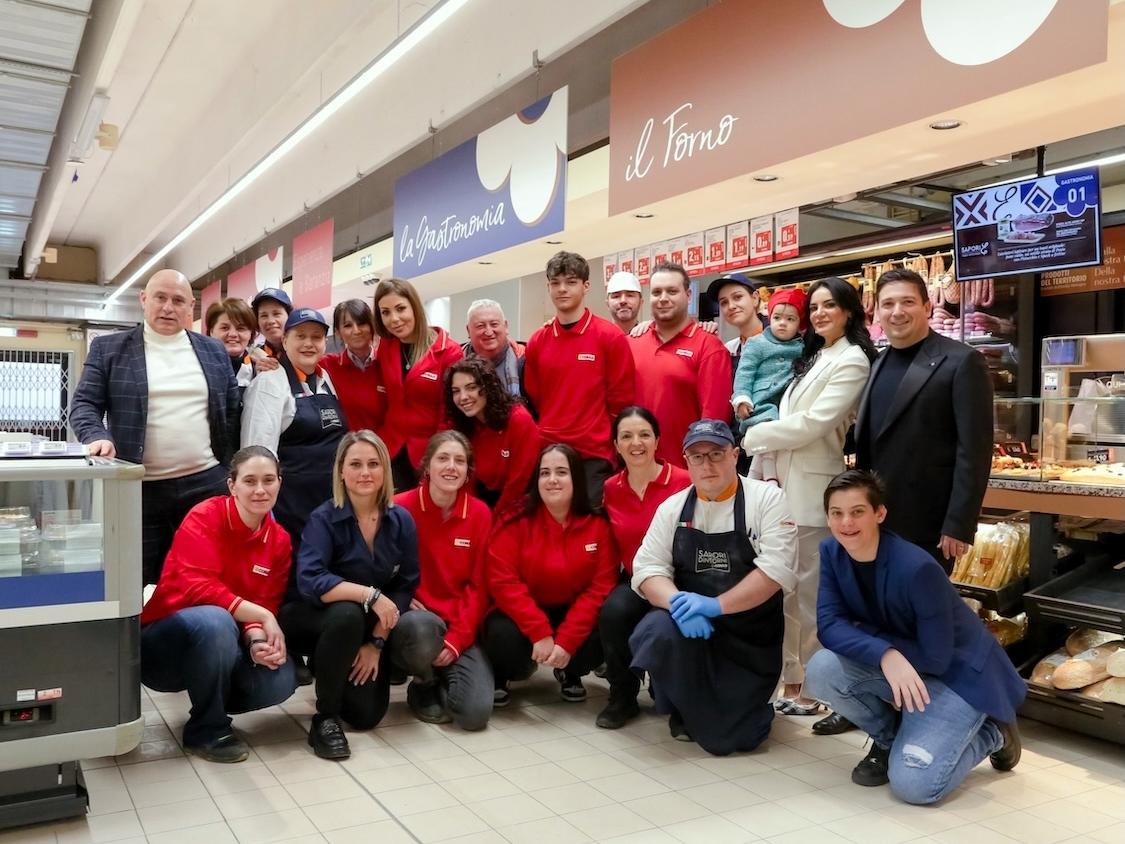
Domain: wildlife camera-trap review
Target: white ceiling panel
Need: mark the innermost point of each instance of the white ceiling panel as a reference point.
(39, 34)
(10, 228)
(29, 103)
(19, 181)
(24, 146)
(16, 205)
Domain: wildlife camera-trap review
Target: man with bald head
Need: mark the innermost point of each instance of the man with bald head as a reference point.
(164, 396)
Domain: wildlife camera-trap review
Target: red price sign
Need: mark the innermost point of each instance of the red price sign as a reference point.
(695, 255)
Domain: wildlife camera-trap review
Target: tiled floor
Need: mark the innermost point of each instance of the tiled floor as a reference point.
(542, 773)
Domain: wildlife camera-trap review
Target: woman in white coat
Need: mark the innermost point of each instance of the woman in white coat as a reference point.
(807, 441)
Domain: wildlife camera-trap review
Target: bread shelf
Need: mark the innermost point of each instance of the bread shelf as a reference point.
(1093, 595)
(1007, 600)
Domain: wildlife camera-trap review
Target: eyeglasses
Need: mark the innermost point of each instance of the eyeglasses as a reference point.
(699, 457)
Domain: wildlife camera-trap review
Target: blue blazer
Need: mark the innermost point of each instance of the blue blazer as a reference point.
(332, 550)
(114, 385)
(921, 616)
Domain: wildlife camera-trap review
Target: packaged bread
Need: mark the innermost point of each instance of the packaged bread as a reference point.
(1085, 638)
(1109, 690)
(1086, 668)
(1007, 631)
(999, 555)
(1044, 671)
(1115, 665)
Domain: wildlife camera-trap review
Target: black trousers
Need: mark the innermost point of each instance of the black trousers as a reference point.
(598, 470)
(331, 636)
(164, 505)
(403, 473)
(509, 651)
(619, 616)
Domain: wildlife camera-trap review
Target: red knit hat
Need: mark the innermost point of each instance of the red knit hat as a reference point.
(792, 296)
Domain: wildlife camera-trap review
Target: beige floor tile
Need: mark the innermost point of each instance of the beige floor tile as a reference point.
(871, 828)
(822, 747)
(419, 798)
(490, 836)
(630, 786)
(149, 751)
(159, 771)
(560, 750)
(340, 814)
(710, 830)
(665, 809)
(289, 771)
(780, 756)
(380, 832)
(97, 829)
(442, 824)
(812, 835)
(107, 791)
(435, 750)
(924, 820)
(820, 774)
(507, 758)
(536, 777)
(530, 734)
(682, 774)
(644, 757)
(487, 739)
(1109, 835)
(572, 798)
(1029, 828)
(734, 766)
(327, 790)
(172, 816)
(212, 833)
(511, 810)
(382, 780)
(645, 836)
(547, 831)
(30, 834)
(1109, 799)
(278, 826)
(373, 758)
(146, 794)
(821, 808)
(1063, 814)
(482, 787)
(721, 797)
(239, 778)
(403, 735)
(774, 785)
(593, 766)
(246, 804)
(973, 806)
(970, 834)
(454, 768)
(768, 819)
(284, 751)
(608, 821)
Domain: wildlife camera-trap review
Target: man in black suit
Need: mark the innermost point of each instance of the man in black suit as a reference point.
(169, 400)
(925, 423)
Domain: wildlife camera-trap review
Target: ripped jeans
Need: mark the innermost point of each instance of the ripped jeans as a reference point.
(932, 751)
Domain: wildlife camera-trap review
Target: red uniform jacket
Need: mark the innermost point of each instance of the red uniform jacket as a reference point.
(682, 381)
(630, 516)
(505, 460)
(216, 560)
(365, 405)
(451, 553)
(579, 379)
(534, 562)
(415, 404)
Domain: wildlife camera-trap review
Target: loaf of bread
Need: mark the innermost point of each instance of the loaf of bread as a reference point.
(1044, 671)
(1110, 690)
(1086, 668)
(1115, 665)
(1085, 638)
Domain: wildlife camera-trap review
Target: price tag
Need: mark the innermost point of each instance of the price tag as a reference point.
(1098, 455)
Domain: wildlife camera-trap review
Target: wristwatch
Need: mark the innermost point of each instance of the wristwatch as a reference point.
(379, 642)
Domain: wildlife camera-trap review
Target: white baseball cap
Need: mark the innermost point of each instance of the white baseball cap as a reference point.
(619, 282)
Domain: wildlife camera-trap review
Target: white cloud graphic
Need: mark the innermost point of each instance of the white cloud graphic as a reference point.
(529, 154)
(964, 32)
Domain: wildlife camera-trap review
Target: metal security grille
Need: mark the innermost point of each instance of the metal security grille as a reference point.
(35, 391)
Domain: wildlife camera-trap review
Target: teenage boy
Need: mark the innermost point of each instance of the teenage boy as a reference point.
(904, 658)
(578, 372)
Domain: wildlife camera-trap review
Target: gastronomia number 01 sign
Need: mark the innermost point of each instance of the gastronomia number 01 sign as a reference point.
(1049, 223)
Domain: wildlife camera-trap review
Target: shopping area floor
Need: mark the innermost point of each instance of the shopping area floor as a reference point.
(542, 773)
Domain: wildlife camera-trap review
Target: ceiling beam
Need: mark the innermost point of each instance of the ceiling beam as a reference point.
(918, 203)
(856, 217)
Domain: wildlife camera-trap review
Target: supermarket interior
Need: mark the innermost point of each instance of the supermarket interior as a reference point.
(308, 153)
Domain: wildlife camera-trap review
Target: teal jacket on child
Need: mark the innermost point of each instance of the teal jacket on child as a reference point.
(764, 371)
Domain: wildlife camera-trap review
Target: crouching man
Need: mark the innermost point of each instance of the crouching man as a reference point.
(905, 659)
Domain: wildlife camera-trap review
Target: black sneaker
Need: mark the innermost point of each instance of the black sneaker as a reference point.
(424, 700)
(677, 729)
(1008, 756)
(398, 676)
(601, 671)
(304, 674)
(571, 688)
(226, 749)
(327, 739)
(501, 697)
(833, 725)
(872, 771)
(620, 710)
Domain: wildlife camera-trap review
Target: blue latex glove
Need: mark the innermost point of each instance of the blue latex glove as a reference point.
(684, 605)
(695, 627)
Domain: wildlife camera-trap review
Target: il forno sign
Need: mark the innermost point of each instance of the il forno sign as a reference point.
(504, 187)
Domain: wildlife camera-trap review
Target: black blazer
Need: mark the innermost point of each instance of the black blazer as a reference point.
(114, 385)
(934, 449)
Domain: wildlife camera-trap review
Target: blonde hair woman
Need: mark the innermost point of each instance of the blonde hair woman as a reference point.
(412, 357)
(357, 571)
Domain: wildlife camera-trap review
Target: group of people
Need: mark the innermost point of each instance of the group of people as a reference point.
(464, 515)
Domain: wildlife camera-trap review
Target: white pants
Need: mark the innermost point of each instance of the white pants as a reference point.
(800, 606)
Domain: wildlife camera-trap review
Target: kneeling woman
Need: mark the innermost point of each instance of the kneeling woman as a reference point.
(210, 626)
(453, 530)
(550, 568)
(357, 569)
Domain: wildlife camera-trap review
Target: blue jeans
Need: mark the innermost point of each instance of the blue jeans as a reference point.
(198, 649)
(931, 751)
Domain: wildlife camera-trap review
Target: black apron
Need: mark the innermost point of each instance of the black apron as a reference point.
(306, 451)
(720, 686)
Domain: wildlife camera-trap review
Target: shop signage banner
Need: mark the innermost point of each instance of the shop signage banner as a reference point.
(676, 251)
(625, 261)
(240, 283)
(609, 266)
(715, 249)
(693, 254)
(210, 294)
(1050, 223)
(312, 267)
(660, 252)
(642, 263)
(786, 234)
(761, 240)
(504, 187)
(268, 269)
(1109, 276)
(738, 245)
(682, 125)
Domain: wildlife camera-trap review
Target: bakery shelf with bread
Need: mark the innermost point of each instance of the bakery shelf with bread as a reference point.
(1081, 684)
(994, 570)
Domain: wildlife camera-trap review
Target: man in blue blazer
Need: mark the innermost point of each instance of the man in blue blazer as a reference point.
(904, 658)
(166, 397)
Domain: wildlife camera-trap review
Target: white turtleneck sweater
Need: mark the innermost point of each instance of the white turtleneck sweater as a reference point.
(177, 432)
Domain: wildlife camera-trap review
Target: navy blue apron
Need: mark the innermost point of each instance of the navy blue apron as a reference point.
(719, 686)
(306, 450)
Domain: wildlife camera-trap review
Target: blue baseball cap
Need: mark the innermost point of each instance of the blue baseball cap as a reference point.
(275, 293)
(303, 315)
(708, 431)
(718, 284)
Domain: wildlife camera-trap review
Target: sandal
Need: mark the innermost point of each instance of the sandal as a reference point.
(802, 709)
(782, 703)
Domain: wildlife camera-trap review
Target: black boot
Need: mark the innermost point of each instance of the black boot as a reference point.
(872, 771)
(621, 709)
(327, 739)
(1008, 756)
(424, 700)
(832, 725)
